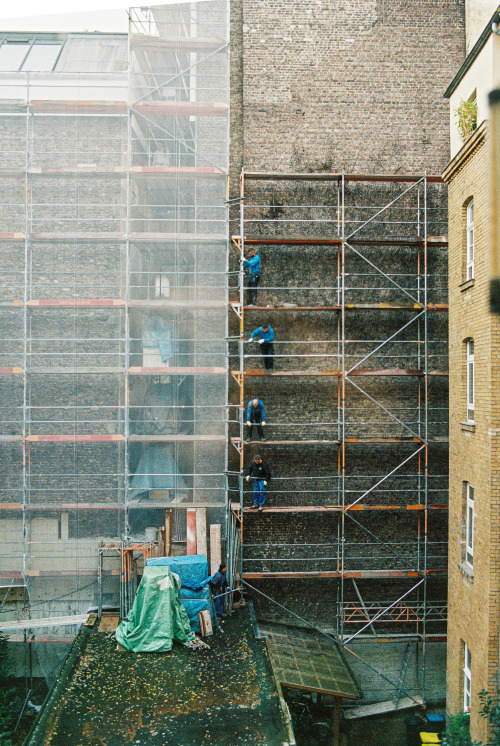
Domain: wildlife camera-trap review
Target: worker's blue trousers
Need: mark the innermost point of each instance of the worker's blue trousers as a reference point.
(259, 492)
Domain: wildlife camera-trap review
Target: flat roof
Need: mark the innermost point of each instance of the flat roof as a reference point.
(225, 695)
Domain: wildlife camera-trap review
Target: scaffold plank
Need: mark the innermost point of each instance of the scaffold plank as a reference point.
(292, 442)
(14, 371)
(10, 438)
(396, 372)
(335, 508)
(178, 43)
(403, 178)
(385, 440)
(72, 438)
(175, 371)
(347, 574)
(94, 169)
(181, 108)
(11, 303)
(188, 305)
(290, 241)
(178, 438)
(78, 107)
(79, 302)
(77, 370)
(292, 307)
(191, 536)
(178, 238)
(290, 373)
(12, 236)
(177, 171)
(380, 708)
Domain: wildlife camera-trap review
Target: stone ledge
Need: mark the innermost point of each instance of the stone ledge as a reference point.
(468, 427)
(467, 284)
(466, 570)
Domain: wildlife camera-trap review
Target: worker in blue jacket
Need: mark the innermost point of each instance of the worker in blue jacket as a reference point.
(219, 584)
(253, 265)
(256, 415)
(265, 336)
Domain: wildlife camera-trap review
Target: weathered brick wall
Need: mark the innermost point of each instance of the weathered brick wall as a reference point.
(473, 595)
(355, 85)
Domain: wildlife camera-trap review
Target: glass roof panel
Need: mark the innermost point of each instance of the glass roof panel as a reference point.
(12, 54)
(42, 57)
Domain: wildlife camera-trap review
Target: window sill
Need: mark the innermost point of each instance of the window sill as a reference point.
(466, 570)
(468, 427)
(467, 284)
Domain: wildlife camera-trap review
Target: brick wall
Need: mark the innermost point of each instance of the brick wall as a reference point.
(355, 85)
(473, 593)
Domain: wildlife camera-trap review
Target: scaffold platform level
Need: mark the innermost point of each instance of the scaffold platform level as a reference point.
(236, 507)
(178, 44)
(347, 574)
(436, 241)
(59, 370)
(326, 176)
(117, 236)
(76, 302)
(58, 507)
(176, 371)
(178, 438)
(99, 170)
(352, 306)
(150, 107)
(305, 442)
(286, 373)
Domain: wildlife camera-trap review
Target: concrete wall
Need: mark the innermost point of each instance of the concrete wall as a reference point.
(477, 15)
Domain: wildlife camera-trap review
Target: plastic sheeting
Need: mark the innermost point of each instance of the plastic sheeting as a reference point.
(195, 592)
(157, 617)
(156, 471)
(158, 333)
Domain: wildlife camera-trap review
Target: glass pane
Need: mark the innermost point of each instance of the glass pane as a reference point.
(470, 526)
(42, 57)
(12, 54)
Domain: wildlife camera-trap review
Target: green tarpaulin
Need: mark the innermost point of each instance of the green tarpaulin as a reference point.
(157, 616)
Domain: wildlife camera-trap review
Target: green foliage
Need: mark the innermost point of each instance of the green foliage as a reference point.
(457, 731)
(6, 696)
(466, 117)
(490, 710)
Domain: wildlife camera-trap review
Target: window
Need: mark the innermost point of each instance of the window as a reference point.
(467, 678)
(29, 55)
(470, 379)
(469, 524)
(469, 232)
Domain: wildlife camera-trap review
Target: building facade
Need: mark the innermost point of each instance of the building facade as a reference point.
(474, 539)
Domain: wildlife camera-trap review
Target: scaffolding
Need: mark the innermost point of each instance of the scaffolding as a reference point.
(354, 285)
(113, 367)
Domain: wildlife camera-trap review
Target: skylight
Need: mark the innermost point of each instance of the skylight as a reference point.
(29, 56)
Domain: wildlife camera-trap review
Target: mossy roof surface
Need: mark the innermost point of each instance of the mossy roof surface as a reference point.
(225, 695)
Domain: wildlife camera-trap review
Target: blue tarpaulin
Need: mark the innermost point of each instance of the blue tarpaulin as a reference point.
(156, 471)
(157, 332)
(193, 572)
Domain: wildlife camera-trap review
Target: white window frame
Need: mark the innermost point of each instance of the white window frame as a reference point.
(469, 524)
(467, 678)
(469, 231)
(469, 363)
